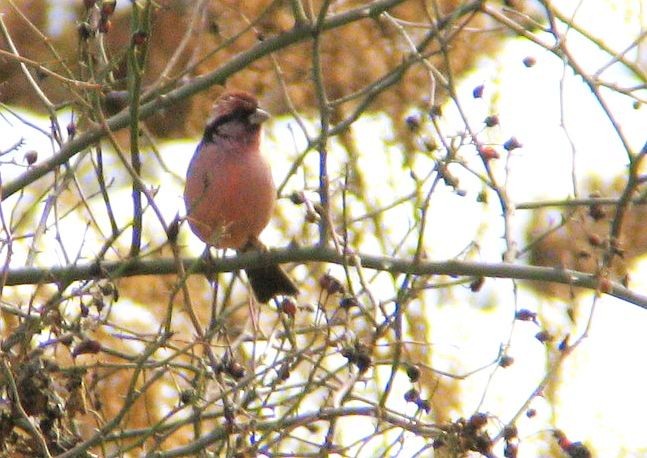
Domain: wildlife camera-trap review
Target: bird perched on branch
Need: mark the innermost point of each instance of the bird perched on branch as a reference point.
(230, 193)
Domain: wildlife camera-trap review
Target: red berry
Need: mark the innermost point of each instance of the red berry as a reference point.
(487, 153)
(289, 307)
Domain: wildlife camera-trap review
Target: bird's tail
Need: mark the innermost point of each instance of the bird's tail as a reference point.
(270, 281)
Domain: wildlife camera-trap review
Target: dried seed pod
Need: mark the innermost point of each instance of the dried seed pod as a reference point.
(478, 420)
(543, 336)
(235, 369)
(506, 361)
(491, 121)
(413, 373)
(529, 61)
(511, 144)
(413, 122)
(86, 347)
(412, 395)
(477, 284)
(297, 197)
(348, 302)
(488, 153)
(31, 157)
(330, 284)
(525, 315)
(510, 432)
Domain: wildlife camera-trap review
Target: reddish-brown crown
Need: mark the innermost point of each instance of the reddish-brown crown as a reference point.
(232, 102)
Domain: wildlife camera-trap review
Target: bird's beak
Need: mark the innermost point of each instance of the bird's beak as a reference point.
(259, 116)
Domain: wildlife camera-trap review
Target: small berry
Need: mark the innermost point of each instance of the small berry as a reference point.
(87, 347)
(597, 212)
(188, 396)
(491, 120)
(595, 240)
(424, 404)
(511, 144)
(289, 307)
(506, 361)
(487, 153)
(31, 157)
(235, 369)
(363, 362)
(348, 302)
(478, 420)
(413, 122)
(543, 336)
(529, 61)
(284, 372)
(477, 92)
(412, 395)
(477, 284)
(430, 145)
(413, 373)
(330, 284)
(71, 129)
(525, 315)
(436, 111)
(297, 197)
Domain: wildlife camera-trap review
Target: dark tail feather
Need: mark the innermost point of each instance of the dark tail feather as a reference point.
(270, 281)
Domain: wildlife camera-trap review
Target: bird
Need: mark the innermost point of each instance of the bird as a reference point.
(229, 191)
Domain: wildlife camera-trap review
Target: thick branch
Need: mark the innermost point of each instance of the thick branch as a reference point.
(117, 269)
